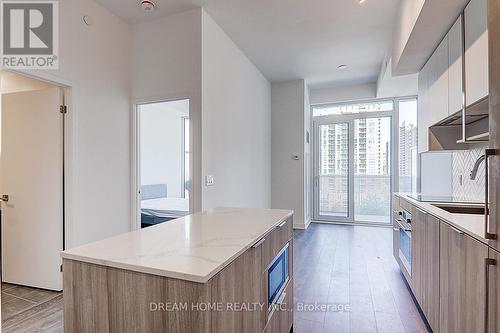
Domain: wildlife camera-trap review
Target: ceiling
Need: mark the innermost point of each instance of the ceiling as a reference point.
(297, 39)
(13, 83)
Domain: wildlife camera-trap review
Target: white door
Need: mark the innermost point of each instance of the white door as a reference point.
(31, 175)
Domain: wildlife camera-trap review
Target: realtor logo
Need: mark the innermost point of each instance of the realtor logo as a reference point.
(29, 34)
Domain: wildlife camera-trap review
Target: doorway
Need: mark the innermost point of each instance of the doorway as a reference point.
(353, 162)
(32, 182)
(163, 161)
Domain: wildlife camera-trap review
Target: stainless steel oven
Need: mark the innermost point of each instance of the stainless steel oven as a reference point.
(403, 221)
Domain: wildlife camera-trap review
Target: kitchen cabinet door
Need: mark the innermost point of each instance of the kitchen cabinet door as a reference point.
(439, 83)
(430, 272)
(461, 282)
(455, 78)
(494, 175)
(418, 243)
(476, 50)
(494, 292)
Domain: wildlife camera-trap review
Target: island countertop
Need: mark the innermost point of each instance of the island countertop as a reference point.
(192, 248)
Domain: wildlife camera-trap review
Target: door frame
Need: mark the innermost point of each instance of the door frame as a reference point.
(135, 223)
(70, 198)
(68, 125)
(349, 118)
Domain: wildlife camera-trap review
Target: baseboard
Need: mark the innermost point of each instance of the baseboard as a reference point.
(302, 226)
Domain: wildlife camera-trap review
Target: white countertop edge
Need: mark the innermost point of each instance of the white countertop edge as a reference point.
(172, 274)
(445, 216)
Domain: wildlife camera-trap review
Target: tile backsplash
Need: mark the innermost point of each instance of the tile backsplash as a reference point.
(463, 162)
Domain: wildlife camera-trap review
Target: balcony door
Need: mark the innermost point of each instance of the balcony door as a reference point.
(353, 155)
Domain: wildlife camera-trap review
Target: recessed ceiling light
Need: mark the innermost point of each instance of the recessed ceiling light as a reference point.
(342, 66)
(148, 5)
(361, 1)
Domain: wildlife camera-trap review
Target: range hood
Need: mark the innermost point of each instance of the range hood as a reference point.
(449, 133)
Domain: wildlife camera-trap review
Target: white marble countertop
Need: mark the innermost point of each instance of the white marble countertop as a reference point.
(471, 224)
(193, 248)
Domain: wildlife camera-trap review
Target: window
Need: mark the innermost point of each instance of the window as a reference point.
(407, 131)
(341, 109)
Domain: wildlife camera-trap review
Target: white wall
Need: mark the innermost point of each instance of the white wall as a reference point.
(162, 146)
(236, 104)
(288, 125)
(166, 65)
(389, 85)
(95, 62)
(343, 93)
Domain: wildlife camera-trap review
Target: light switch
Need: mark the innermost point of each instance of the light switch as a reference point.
(209, 180)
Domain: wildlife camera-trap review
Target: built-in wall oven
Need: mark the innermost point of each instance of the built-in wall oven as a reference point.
(403, 221)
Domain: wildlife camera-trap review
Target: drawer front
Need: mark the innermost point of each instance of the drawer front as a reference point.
(275, 241)
(281, 319)
(405, 205)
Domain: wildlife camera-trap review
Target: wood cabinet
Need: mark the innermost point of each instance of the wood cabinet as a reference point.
(476, 50)
(239, 282)
(425, 272)
(494, 120)
(461, 282)
(418, 242)
(493, 270)
(430, 271)
(107, 299)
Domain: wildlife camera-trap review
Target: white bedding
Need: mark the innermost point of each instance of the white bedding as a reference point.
(166, 207)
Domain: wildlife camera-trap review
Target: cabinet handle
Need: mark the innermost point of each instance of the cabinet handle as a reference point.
(487, 154)
(259, 243)
(487, 263)
(281, 299)
(460, 232)
(282, 223)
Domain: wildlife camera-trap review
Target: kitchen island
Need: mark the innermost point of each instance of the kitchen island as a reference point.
(206, 272)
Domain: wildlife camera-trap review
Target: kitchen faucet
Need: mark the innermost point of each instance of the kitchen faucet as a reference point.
(474, 170)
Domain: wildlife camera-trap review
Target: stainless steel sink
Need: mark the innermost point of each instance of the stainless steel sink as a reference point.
(456, 209)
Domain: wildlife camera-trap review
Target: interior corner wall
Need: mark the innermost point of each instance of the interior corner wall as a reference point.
(166, 65)
(288, 125)
(236, 118)
(307, 139)
(95, 62)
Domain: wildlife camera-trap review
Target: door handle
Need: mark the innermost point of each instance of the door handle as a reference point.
(488, 153)
(4, 198)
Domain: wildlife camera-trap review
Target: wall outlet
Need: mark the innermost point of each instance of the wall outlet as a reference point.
(209, 180)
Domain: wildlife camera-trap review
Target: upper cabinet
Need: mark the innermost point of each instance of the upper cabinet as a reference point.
(455, 84)
(459, 62)
(476, 50)
(433, 87)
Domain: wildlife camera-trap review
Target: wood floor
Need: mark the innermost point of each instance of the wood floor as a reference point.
(334, 265)
(27, 309)
(353, 266)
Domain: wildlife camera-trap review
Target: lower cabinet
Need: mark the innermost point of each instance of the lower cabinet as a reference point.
(425, 278)
(493, 269)
(462, 284)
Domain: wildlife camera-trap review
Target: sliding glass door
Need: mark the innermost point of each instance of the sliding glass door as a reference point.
(333, 169)
(353, 163)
